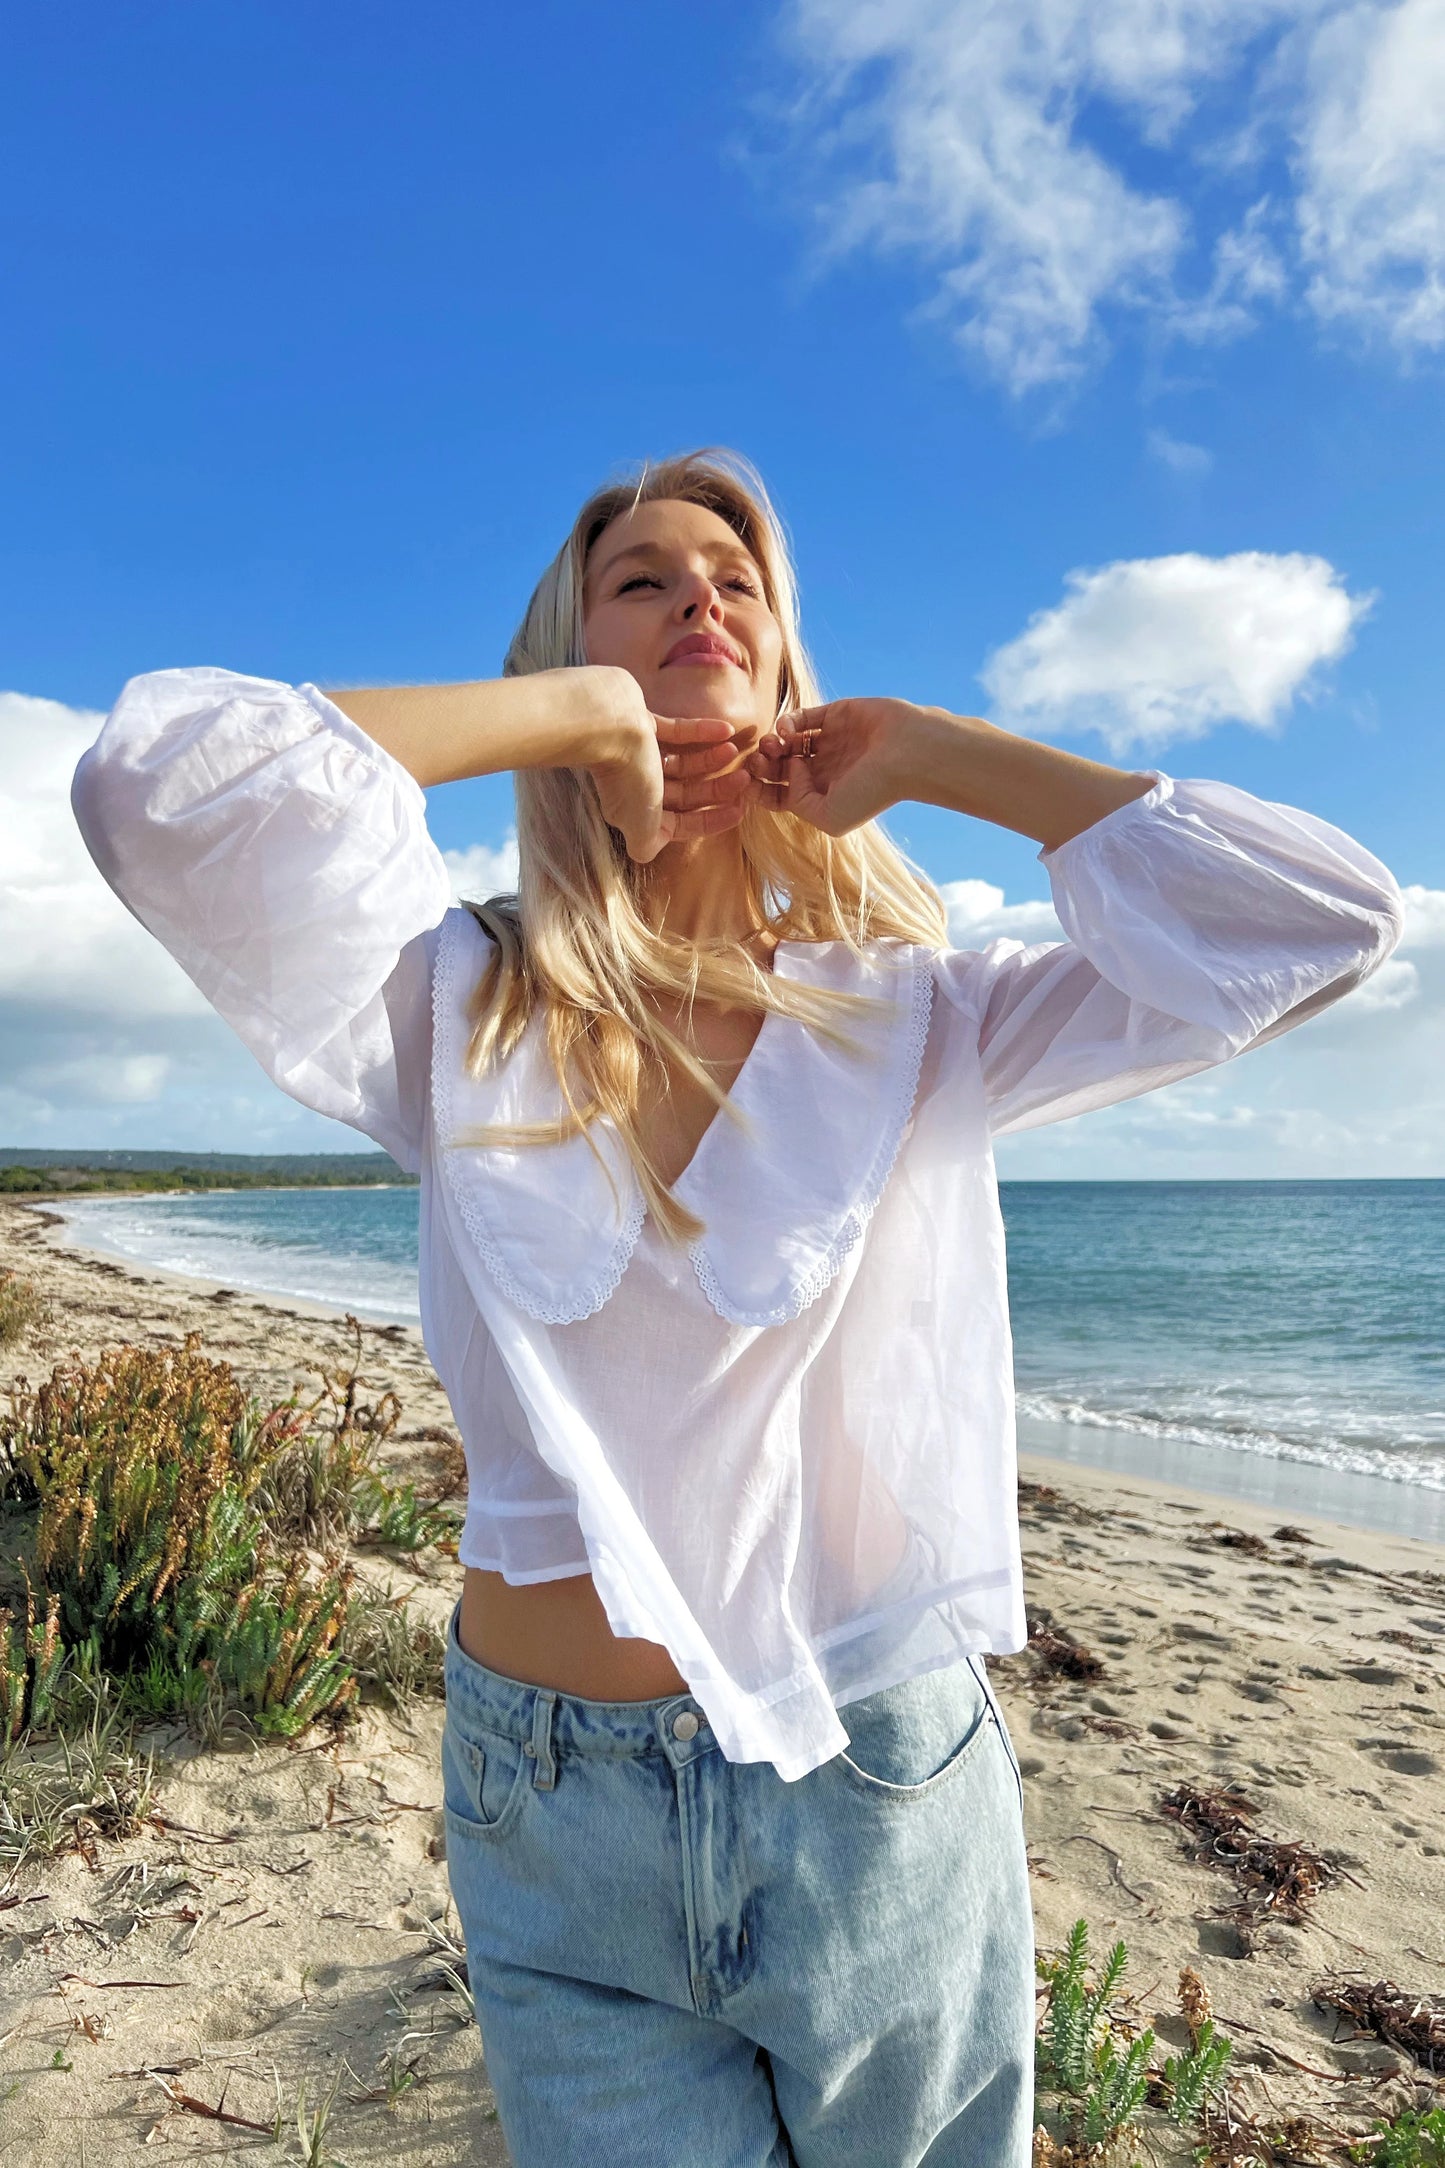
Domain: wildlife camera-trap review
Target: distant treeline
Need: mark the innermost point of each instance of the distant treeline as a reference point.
(25, 1171)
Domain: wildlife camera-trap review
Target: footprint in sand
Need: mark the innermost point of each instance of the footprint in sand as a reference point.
(1406, 1761)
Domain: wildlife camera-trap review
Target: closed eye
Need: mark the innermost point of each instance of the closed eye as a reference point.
(639, 579)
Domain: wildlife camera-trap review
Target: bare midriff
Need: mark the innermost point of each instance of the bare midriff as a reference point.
(556, 1633)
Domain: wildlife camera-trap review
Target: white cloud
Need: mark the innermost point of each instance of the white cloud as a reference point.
(481, 871)
(65, 941)
(977, 914)
(996, 144)
(1372, 171)
(1150, 651)
(1396, 982)
(1359, 1090)
(103, 1039)
(1424, 917)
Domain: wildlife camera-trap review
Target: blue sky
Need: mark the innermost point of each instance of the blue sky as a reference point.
(322, 321)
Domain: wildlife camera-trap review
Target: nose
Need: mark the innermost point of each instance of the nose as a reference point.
(698, 598)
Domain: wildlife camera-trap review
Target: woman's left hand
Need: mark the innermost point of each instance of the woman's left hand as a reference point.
(838, 765)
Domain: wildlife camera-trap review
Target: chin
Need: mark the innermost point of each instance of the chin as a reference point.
(708, 692)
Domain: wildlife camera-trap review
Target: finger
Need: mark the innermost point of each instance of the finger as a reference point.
(681, 730)
(791, 728)
(686, 796)
(701, 760)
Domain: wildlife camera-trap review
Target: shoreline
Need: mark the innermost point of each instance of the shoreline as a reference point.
(280, 1921)
(1289, 1489)
(306, 1305)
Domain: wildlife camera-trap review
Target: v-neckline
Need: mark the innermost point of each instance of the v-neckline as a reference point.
(553, 1229)
(770, 1016)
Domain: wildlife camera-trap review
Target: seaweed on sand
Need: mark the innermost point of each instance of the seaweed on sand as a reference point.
(1385, 2012)
(1279, 1880)
(1059, 1652)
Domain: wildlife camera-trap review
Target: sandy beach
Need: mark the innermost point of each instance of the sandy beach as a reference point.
(283, 1921)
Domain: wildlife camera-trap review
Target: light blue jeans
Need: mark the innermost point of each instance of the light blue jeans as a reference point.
(683, 1961)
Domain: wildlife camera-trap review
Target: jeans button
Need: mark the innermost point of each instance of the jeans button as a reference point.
(685, 1725)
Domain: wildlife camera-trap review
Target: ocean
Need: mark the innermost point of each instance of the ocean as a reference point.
(1280, 1340)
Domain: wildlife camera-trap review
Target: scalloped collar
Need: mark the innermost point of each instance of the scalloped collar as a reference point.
(783, 1205)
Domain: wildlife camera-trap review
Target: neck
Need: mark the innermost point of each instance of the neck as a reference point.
(698, 891)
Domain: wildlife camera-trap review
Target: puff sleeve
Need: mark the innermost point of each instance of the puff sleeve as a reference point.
(1200, 921)
(283, 858)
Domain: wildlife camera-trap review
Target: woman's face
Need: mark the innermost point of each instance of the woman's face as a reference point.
(672, 595)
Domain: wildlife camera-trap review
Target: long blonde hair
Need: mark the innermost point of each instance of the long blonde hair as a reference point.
(575, 936)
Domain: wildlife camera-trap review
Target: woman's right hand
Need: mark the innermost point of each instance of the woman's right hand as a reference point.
(660, 778)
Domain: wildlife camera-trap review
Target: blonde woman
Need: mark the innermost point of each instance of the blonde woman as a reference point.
(712, 1269)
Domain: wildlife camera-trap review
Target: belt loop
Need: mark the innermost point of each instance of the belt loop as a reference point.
(541, 1742)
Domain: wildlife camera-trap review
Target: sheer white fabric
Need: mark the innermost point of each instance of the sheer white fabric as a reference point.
(788, 1453)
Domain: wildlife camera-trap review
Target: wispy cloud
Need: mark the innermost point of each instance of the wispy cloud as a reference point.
(1154, 650)
(1179, 457)
(998, 145)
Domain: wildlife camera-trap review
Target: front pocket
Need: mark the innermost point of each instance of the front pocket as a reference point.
(484, 1779)
(910, 1740)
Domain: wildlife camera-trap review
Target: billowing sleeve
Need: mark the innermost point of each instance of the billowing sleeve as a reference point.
(283, 858)
(1200, 921)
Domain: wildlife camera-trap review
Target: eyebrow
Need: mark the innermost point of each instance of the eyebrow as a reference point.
(736, 551)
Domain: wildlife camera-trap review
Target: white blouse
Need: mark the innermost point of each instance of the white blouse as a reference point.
(786, 1454)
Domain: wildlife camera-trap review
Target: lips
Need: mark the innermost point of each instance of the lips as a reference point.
(703, 647)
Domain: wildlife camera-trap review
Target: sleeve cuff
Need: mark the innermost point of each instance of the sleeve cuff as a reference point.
(1149, 801)
(338, 721)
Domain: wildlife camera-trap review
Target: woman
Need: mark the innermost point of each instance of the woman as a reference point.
(713, 1272)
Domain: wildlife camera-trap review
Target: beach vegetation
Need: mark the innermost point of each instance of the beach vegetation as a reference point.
(1085, 2050)
(395, 1654)
(325, 1486)
(172, 1537)
(21, 1308)
(312, 2126)
(57, 1178)
(86, 1783)
(1097, 2062)
(1194, 2077)
(1191, 2078)
(1411, 2141)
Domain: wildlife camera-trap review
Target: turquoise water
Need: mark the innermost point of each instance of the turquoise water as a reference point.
(1291, 1322)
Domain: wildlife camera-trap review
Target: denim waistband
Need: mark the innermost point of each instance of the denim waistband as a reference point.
(550, 1723)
